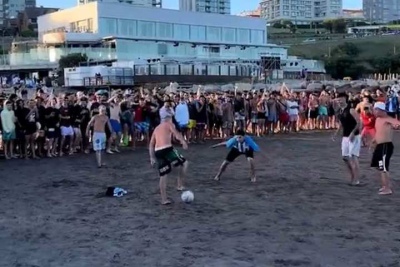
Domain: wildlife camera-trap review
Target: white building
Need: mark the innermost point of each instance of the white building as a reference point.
(167, 42)
(300, 11)
(207, 6)
(144, 3)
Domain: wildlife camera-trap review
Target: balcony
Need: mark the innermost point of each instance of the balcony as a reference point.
(50, 56)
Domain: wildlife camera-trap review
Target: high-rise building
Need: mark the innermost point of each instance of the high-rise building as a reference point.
(9, 9)
(144, 3)
(207, 6)
(301, 11)
(381, 11)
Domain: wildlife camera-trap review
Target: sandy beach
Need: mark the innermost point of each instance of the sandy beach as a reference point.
(301, 212)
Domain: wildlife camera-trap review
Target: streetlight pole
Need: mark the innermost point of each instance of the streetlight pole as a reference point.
(2, 47)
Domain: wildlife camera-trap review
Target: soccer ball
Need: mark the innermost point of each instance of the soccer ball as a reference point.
(187, 196)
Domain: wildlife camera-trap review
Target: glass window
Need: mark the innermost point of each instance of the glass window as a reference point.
(243, 36)
(181, 32)
(164, 30)
(214, 34)
(146, 29)
(229, 35)
(257, 37)
(197, 33)
(108, 26)
(127, 27)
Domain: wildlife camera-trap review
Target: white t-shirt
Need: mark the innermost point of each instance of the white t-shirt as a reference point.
(114, 112)
(292, 107)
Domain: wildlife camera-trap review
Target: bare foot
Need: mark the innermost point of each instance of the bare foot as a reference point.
(180, 188)
(165, 202)
(217, 178)
(385, 192)
(253, 179)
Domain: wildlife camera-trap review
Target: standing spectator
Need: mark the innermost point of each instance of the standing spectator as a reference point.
(182, 117)
(8, 125)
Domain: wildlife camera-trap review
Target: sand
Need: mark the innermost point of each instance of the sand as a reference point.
(300, 213)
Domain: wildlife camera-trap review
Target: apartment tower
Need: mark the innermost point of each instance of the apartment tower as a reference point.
(10, 8)
(143, 3)
(300, 11)
(381, 11)
(207, 6)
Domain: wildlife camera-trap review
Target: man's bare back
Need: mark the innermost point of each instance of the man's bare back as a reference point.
(163, 135)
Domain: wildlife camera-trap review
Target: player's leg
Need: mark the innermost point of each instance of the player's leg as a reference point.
(232, 155)
(346, 156)
(355, 147)
(250, 159)
(181, 162)
(221, 170)
(182, 176)
(385, 180)
(163, 189)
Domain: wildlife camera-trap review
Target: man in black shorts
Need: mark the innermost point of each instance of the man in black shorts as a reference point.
(384, 125)
(240, 144)
(165, 155)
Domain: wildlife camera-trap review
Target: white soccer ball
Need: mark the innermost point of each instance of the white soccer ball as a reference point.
(187, 196)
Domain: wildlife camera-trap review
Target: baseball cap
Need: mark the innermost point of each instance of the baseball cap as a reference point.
(165, 114)
(380, 105)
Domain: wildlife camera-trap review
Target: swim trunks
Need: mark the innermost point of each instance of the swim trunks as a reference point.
(99, 141)
(168, 157)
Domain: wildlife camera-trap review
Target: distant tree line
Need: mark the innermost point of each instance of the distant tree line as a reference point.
(347, 61)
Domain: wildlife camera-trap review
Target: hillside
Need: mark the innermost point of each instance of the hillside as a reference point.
(374, 46)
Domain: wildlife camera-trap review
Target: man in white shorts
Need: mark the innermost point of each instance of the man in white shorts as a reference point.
(66, 126)
(351, 140)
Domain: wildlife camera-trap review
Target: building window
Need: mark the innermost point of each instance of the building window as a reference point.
(146, 29)
(229, 35)
(243, 36)
(181, 32)
(127, 27)
(164, 30)
(108, 26)
(214, 34)
(257, 37)
(197, 33)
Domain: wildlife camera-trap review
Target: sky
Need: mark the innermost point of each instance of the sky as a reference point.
(237, 5)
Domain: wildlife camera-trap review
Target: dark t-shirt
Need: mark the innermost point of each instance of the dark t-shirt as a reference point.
(52, 118)
(66, 112)
(29, 119)
(42, 114)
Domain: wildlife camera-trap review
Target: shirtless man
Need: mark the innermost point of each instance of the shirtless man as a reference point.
(164, 154)
(99, 123)
(383, 145)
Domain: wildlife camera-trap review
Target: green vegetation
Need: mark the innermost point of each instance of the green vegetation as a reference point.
(69, 61)
(355, 59)
(374, 46)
